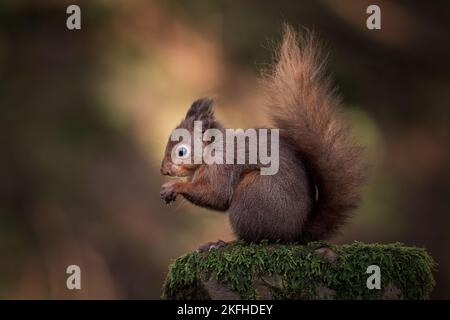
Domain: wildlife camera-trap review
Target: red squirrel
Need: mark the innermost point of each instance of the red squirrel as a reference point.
(320, 168)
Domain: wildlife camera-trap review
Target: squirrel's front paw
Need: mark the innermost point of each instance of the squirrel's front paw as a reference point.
(168, 192)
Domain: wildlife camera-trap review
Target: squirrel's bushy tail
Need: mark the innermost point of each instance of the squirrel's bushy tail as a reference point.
(303, 104)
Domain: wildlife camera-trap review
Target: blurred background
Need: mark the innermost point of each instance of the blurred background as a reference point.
(85, 116)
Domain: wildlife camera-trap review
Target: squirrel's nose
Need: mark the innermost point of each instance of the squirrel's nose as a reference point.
(164, 171)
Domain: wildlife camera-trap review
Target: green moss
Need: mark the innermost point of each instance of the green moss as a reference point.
(303, 271)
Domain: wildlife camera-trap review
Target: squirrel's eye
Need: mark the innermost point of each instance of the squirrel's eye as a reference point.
(182, 152)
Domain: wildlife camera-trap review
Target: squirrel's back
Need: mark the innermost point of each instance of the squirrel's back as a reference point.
(274, 207)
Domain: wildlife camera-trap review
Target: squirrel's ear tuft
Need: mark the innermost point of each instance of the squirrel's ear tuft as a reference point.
(201, 109)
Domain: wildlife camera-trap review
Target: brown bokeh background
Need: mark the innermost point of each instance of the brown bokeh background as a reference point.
(85, 115)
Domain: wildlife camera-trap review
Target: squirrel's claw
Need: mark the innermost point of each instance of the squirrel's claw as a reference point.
(168, 193)
(211, 245)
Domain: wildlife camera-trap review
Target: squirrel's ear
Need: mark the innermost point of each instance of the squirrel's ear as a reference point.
(201, 109)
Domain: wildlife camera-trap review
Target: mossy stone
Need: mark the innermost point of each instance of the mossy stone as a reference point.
(291, 271)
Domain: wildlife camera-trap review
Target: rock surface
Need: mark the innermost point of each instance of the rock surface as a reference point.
(316, 271)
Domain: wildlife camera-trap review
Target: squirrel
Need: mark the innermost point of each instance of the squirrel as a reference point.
(321, 169)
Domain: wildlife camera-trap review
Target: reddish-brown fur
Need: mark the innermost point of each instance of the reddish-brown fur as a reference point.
(315, 152)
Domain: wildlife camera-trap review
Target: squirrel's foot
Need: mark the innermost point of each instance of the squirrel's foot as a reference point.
(168, 192)
(211, 245)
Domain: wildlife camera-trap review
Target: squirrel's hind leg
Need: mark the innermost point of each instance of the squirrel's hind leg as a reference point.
(211, 246)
